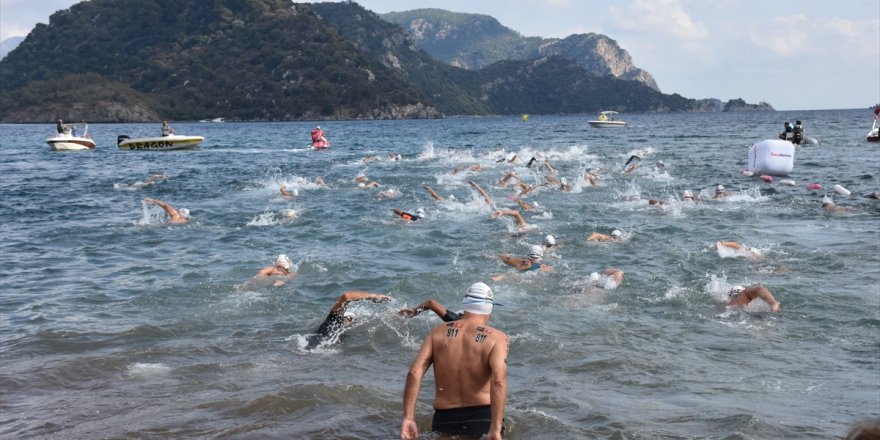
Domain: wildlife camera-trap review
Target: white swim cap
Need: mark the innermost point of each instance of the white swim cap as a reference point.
(594, 277)
(616, 233)
(478, 299)
(283, 261)
(536, 252)
(564, 181)
(719, 188)
(687, 193)
(420, 212)
(735, 290)
(317, 127)
(549, 240)
(361, 185)
(183, 212)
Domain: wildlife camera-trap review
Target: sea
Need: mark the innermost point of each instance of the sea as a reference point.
(117, 325)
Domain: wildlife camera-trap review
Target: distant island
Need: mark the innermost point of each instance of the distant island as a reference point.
(270, 60)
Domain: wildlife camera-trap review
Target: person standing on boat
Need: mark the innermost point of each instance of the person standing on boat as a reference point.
(166, 130)
(787, 133)
(60, 127)
(797, 133)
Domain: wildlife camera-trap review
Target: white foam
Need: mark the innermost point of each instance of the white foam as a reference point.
(144, 370)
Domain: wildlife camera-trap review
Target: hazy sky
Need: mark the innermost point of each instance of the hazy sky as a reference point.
(794, 54)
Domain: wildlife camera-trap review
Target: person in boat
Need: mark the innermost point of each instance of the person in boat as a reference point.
(318, 139)
(469, 359)
(175, 215)
(740, 296)
(60, 127)
(420, 213)
(337, 321)
(166, 130)
(797, 133)
(280, 271)
(616, 235)
(788, 132)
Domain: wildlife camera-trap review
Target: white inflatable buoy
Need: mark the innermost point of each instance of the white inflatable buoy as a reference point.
(748, 173)
(841, 190)
(787, 182)
(772, 157)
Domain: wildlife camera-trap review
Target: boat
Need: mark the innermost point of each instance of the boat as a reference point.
(319, 142)
(874, 134)
(69, 141)
(607, 119)
(159, 143)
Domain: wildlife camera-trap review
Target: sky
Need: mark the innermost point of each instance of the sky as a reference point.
(792, 54)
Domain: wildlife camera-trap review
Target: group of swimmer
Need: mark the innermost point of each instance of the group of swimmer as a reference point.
(469, 357)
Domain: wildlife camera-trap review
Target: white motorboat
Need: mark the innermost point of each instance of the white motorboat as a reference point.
(608, 119)
(69, 141)
(159, 143)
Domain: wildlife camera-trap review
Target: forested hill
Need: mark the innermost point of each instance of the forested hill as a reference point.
(106, 60)
(147, 60)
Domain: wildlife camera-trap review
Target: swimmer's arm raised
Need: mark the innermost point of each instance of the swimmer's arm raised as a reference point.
(356, 295)
(761, 292)
(430, 304)
(518, 263)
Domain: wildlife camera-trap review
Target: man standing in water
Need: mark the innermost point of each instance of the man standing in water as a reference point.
(470, 373)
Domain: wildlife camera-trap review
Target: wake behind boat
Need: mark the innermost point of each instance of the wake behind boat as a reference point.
(607, 119)
(159, 143)
(67, 140)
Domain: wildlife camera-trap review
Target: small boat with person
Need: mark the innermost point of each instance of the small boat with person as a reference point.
(168, 141)
(319, 142)
(608, 119)
(67, 140)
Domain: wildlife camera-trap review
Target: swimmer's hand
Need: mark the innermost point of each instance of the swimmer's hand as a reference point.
(406, 312)
(775, 307)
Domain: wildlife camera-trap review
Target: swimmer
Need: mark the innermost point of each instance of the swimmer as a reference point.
(532, 262)
(635, 165)
(319, 181)
(445, 314)
(336, 322)
(737, 249)
(469, 359)
(155, 178)
(280, 269)
(616, 235)
(562, 183)
(387, 194)
(368, 185)
(549, 244)
(516, 216)
(482, 193)
(592, 178)
(361, 178)
(609, 279)
(656, 202)
(507, 178)
(872, 195)
(434, 194)
(476, 167)
(740, 296)
(405, 215)
(830, 206)
(287, 194)
(525, 206)
(531, 161)
(175, 215)
(688, 196)
(548, 166)
(720, 193)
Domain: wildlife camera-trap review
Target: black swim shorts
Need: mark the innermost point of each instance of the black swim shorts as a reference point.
(471, 420)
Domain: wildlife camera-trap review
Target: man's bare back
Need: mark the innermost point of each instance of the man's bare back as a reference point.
(462, 355)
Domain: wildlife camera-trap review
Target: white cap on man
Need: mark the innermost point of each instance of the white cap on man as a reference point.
(616, 233)
(550, 240)
(283, 261)
(183, 212)
(536, 253)
(478, 299)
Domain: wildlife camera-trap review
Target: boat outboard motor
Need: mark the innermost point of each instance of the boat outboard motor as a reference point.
(121, 138)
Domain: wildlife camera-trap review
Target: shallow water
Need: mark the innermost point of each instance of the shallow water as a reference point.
(115, 325)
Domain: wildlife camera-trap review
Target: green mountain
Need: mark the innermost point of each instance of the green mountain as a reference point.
(190, 59)
(474, 41)
(147, 60)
